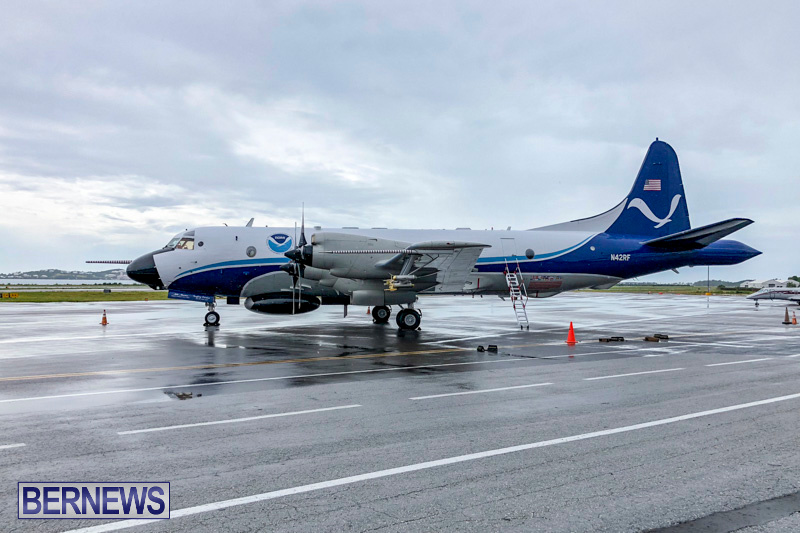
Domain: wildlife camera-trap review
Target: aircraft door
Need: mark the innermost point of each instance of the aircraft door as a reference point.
(509, 247)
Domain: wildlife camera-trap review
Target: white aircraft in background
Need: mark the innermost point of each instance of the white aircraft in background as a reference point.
(791, 294)
(275, 272)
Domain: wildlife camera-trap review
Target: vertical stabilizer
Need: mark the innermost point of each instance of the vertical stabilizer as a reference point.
(656, 205)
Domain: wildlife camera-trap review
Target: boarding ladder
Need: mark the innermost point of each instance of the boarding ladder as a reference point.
(519, 296)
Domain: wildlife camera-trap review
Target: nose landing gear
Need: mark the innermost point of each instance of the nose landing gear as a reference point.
(212, 317)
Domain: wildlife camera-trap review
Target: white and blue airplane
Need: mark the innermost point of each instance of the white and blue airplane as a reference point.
(647, 232)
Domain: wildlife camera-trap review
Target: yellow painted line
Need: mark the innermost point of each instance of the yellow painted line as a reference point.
(253, 363)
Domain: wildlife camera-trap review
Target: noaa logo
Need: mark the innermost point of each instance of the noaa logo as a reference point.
(279, 243)
(639, 204)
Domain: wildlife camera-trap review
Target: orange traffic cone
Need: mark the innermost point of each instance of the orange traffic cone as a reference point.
(786, 320)
(571, 336)
(104, 322)
(794, 319)
(368, 310)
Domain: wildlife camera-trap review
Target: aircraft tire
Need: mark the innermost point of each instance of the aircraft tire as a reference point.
(381, 314)
(212, 319)
(409, 319)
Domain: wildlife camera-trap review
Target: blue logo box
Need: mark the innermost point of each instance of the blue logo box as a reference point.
(93, 500)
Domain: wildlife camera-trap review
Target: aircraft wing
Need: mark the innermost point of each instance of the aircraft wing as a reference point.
(453, 261)
(692, 239)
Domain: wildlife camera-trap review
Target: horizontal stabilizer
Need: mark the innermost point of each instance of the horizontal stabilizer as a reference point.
(692, 239)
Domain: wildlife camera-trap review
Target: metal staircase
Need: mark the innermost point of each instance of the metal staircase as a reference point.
(519, 296)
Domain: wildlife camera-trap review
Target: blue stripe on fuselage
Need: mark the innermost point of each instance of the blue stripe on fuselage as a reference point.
(223, 281)
(539, 257)
(240, 262)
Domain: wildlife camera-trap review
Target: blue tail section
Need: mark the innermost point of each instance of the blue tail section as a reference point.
(656, 206)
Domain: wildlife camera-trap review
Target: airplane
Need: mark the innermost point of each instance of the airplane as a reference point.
(274, 272)
(776, 293)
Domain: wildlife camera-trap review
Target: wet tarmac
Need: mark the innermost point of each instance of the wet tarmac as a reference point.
(324, 423)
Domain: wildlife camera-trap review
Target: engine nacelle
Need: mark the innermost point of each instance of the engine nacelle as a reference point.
(282, 303)
(353, 256)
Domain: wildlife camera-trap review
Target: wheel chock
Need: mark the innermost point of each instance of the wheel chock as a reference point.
(661, 336)
(492, 348)
(651, 339)
(481, 348)
(612, 339)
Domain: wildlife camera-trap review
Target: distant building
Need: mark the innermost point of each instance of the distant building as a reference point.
(765, 284)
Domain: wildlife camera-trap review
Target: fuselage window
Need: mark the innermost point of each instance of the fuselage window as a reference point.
(251, 251)
(186, 243)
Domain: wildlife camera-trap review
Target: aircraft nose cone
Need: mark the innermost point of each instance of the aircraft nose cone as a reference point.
(143, 269)
(751, 252)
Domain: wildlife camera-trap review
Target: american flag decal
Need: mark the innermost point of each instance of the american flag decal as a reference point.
(652, 185)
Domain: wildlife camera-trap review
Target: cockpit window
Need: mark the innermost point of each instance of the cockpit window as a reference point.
(183, 241)
(186, 243)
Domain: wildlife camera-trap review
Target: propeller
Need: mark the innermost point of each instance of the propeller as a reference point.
(300, 256)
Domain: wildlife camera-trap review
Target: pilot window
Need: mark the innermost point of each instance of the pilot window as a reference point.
(172, 243)
(186, 243)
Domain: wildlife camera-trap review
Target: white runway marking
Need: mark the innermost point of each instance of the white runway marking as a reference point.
(459, 339)
(721, 344)
(479, 391)
(255, 498)
(634, 374)
(234, 420)
(612, 350)
(7, 446)
(795, 355)
(255, 380)
(740, 362)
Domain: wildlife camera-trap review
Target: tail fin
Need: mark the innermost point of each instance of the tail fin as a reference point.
(656, 205)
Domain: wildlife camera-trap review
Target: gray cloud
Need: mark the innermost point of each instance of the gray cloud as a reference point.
(132, 119)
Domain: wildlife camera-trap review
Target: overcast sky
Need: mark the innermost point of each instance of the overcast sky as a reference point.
(122, 123)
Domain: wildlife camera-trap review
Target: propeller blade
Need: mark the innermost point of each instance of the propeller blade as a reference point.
(303, 241)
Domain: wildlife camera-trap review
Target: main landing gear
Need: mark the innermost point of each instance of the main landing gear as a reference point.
(381, 314)
(409, 319)
(212, 317)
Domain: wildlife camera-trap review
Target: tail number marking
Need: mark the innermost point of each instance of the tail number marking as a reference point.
(620, 257)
